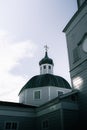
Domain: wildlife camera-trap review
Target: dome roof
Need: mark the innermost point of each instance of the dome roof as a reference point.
(46, 80)
(46, 60)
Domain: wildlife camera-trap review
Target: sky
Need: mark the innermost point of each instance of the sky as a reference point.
(26, 26)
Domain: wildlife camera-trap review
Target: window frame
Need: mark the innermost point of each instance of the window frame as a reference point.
(39, 94)
(60, 92)
(11, 125)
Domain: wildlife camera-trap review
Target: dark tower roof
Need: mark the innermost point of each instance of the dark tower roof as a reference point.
(46, 80)
(46, 60)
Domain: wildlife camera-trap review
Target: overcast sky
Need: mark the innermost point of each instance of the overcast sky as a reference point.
(25, 27)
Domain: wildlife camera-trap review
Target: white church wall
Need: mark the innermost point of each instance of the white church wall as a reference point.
(22, 97)
(46, 94)
(29, 96)
(54, 91)
(74, 38)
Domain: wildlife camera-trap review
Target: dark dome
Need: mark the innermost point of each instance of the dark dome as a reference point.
(45, 60)
(46, 80)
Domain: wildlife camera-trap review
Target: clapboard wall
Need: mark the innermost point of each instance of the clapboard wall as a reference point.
(76, 32)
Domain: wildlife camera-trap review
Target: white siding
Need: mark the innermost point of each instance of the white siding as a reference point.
(46, 70)
(47, 94)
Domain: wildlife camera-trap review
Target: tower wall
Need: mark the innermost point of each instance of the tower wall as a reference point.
(46, 69)
(76, 30)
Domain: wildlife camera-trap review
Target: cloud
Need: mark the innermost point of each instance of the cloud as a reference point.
(10, 54)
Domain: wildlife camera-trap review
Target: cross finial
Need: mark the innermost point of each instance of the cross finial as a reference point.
(46, 48)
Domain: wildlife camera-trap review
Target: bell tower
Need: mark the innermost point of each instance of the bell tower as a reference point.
(76, 37)
(46, 64)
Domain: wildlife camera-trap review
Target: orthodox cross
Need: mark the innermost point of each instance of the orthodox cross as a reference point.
(46, 48)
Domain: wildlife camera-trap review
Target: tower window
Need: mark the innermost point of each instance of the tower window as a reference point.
(49, 67)
(60, 93)
(37, 95)
(44, 66)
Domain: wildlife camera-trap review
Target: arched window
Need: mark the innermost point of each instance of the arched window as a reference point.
(49, 67)
(44, 66)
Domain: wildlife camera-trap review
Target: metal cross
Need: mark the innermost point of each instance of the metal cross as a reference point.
(46, 47)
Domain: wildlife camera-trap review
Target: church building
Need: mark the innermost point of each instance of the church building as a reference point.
(44, 87)
(47, 101)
